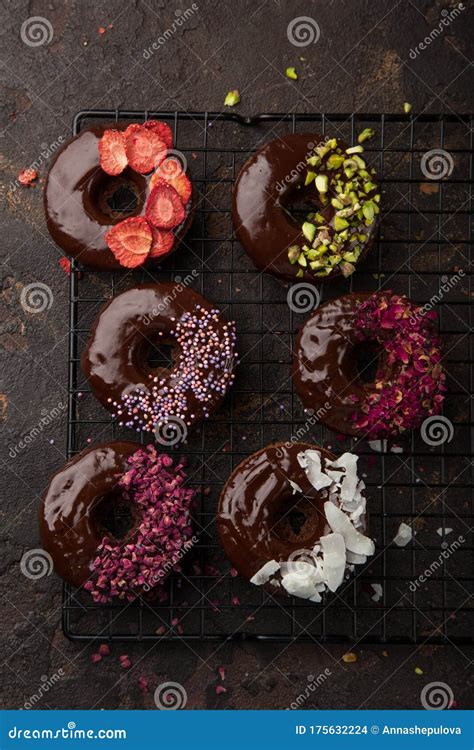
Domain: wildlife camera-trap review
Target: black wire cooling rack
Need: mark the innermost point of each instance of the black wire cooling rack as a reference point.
(423, 244)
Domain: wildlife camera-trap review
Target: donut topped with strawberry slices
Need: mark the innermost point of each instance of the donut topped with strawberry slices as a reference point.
(118, 196)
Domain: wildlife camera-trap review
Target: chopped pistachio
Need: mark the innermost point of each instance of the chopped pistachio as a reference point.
(407, 107)
(340, 223)
(331, 143)
(351, 257)
(309, 231)
(355, 150)
(360, 162)
(335, 161)
(291, 73)
(333, 260)
(309, 217)
(368, 210)
(302, 260)
(313, 161)
(344, 213)
(365, 135)
(232, 98)
(316, 264)
(309, 177)
(322, 183)
(347, 269)
(324, 272)
(336, 203)
(333, 246)
(376, 198)
(293, 253)
(362, 237)
(322, 150)
(319, 219)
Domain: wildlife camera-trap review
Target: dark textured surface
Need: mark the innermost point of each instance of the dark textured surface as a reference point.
(361, 62)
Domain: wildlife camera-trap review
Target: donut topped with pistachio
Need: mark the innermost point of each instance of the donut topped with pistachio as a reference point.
(348, 197)
(337, 187)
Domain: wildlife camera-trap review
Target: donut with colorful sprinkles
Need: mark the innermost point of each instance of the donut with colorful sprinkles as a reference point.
(168, 401)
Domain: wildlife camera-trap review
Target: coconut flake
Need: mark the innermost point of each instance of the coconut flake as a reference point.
(403, 535)
(380, 446)
(350, 480)
(301, 584)
(262, 575)
(295, 487)
(353, 557)
(378, 591)
(310, 461)
(340, 523)
(334, 560)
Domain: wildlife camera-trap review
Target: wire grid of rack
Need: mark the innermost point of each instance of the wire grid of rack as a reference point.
(423, 244)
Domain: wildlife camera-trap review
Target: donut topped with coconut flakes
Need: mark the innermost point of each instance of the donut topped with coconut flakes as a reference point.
(119, 196)
(292, 518)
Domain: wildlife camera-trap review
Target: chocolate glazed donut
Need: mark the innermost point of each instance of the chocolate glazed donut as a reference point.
(254, 518)
(203, 352)
(76, 197)
(267, 185)
(69, 531)
(324, 364)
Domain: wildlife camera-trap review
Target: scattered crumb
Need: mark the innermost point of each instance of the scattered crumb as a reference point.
(349, 658)
(27, 176)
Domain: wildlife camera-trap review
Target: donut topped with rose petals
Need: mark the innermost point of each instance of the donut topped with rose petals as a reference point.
(119, 196)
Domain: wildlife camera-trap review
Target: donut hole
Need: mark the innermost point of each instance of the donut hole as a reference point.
(301, 201)
(160, 355)
(367, 360)
(113, 515)
(297, 519)
(124, 199)
(118, 197)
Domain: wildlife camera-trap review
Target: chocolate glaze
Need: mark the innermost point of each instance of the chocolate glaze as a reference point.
(262, 225)
(251, 518)
(68, 529)
(75, 199)
(324, 366)
(115, 360)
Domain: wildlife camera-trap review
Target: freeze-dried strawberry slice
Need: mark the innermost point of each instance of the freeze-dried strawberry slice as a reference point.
(130, 241)
(144, 148)
(163, 241)
(171, 170)
(27, 176)
(162, 130)
(113, 158)
(164, 208)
